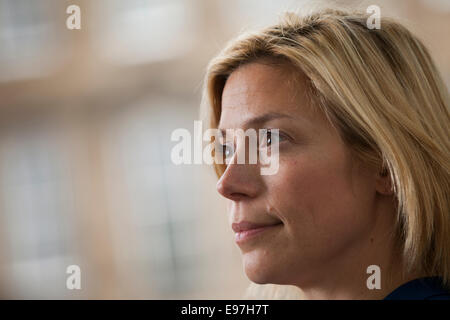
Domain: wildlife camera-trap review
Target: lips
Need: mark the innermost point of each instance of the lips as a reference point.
(246, 230)
(245, 225)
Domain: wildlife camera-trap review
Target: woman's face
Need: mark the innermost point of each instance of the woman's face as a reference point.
(318, 208)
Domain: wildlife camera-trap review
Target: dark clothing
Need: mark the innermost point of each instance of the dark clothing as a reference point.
(430, 288)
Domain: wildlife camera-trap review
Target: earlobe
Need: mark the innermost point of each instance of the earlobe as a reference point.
(384, 183)
(384, 172)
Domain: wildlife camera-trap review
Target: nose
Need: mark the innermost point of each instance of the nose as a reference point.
(240, 181)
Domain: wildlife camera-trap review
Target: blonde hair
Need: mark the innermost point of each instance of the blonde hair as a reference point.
(381, 89)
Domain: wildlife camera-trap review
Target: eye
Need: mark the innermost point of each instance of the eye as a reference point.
(225, 150)
(228, 150)
(270, 136)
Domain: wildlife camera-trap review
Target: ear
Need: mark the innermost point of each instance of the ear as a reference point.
(383, 182)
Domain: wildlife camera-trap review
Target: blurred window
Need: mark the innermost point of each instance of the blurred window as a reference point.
(255, 13)
(142, 31)
(36, 206)
(31, 43)
(162, 197)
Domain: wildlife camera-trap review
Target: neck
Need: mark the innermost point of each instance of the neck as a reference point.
(352, 283)
(346, 277)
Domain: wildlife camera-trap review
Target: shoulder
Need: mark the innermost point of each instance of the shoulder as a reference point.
(429, 288)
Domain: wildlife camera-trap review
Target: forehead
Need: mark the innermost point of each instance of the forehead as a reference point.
(257, 88)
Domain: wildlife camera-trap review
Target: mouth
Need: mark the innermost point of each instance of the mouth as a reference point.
(246, 231)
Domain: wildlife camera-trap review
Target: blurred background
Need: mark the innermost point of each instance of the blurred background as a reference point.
(85, 122)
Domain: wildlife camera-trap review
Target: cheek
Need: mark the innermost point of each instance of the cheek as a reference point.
(319, 200)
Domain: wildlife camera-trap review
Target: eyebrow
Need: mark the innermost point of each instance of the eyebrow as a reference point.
(262, 119)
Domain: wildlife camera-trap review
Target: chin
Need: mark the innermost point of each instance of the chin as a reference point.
(261, 269)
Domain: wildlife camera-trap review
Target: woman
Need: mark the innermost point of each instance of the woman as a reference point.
(359, 207)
